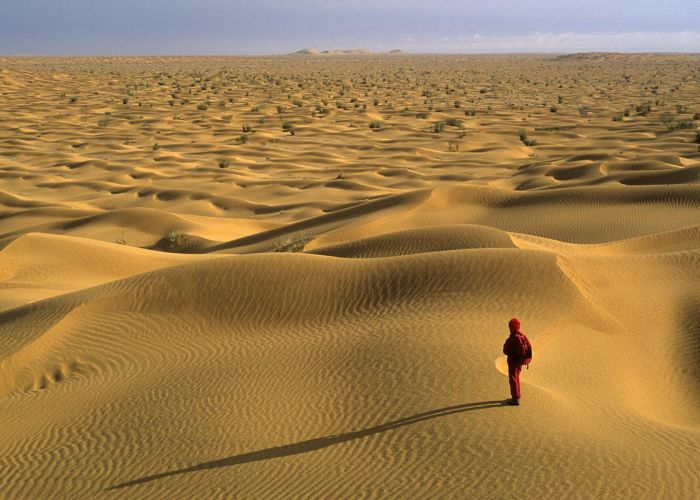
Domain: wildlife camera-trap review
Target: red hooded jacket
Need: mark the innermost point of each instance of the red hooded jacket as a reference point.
(517, 345)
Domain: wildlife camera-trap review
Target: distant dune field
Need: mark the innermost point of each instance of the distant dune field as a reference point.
(292, 276)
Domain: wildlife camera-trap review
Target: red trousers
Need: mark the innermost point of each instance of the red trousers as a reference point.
(514, 380)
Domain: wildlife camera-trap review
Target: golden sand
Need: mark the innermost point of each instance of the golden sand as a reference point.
(291, 277)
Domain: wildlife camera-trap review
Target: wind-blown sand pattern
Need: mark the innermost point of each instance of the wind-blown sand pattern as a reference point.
(197, 301)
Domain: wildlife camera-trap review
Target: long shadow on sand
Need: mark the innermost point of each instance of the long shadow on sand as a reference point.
(313, 444)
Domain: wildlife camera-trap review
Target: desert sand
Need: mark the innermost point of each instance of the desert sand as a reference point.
(292, 276)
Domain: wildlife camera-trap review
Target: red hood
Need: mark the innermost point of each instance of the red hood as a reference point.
(514, 326)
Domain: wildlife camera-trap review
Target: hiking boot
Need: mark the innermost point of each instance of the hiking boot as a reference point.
(514, 402)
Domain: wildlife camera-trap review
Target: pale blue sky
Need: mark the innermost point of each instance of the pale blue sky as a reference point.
(280, 26)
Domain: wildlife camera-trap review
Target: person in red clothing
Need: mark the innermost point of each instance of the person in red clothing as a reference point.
(519, 351)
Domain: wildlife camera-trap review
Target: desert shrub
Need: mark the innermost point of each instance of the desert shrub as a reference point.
(423, 115)
(105, 120)
(458, 104)
(683, 125)
(522, 134)
(454, 122)
(375, 125)
(643, 109)
(667, 120)
(177, 241)
(298, 103)
(291, 245)
(246, 128)
(223, 162)
(156, 147)
(680, 109)
(470, 112)
(243, 138)
(255, 109)
(73, 99)
(280, 109)
(438, 127)
(618, 117)
(376, 102)
(583, 110)
(125, 100)
(553, 109)
(203, 106)
(453, 146)
(288, 127)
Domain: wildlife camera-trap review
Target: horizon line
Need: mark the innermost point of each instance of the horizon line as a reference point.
(371, 54)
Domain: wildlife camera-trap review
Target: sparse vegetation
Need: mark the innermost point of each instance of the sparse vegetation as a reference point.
(223, 162)
(525, 139)
(454, 122)
(289, 127)
(438, 127)
(643, 109)
(683, 125)
(177, 242)
(105, 120)
(291, 244)
(375, 125)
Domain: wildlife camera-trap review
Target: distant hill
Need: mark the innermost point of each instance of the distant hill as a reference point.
(305, 52)
(339, 52)
(587, 56)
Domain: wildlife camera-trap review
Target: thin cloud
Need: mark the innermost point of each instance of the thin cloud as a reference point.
(684, 41)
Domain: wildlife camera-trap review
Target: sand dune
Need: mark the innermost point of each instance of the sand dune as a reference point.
(201, 301)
